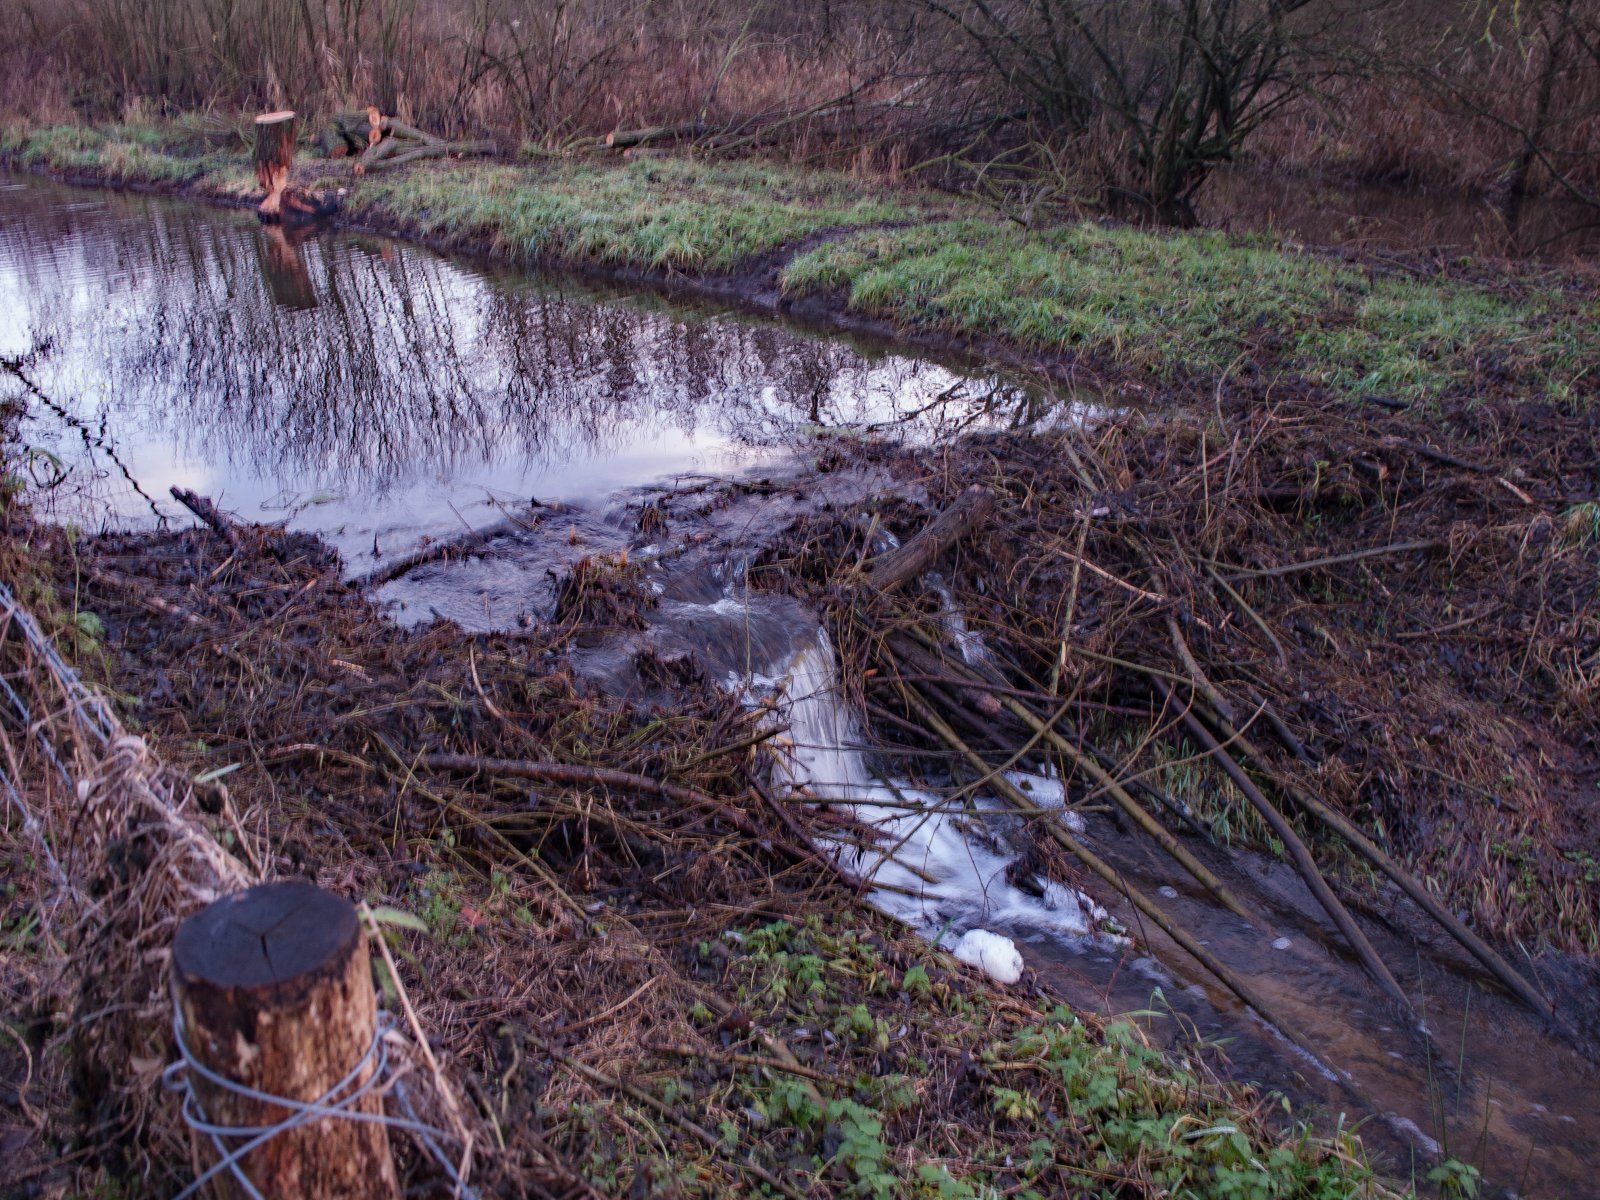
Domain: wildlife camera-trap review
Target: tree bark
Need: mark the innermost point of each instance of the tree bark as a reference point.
(274, 992)
(911, 560)
(274, 157)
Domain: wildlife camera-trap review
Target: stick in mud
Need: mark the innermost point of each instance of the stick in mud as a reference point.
(208, 513)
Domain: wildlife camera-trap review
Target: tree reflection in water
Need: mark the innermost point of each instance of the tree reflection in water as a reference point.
(373, 380)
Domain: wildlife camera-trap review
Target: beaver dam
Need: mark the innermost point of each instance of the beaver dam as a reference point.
(787, 765)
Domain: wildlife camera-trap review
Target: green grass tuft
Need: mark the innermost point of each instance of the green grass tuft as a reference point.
(654, 213)
(1191, 303)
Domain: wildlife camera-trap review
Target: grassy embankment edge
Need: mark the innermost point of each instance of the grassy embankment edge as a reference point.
(1168, 307)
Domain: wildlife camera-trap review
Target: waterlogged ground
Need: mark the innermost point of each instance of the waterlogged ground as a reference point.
(385, 397)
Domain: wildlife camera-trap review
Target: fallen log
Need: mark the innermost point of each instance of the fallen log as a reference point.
(622, 139)
(350, 132)
(889, 571)
(433, 150)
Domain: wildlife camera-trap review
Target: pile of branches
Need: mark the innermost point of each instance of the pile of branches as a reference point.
(1382, 654)
(617, 904)
(470, 777)
(377, 141)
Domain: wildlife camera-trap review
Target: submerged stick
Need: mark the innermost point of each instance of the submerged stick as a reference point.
(1491, 960)
(1304, 862)
(208, 513)
(470, 541)
(1229, 978)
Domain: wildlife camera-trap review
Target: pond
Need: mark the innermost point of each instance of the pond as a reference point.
(379, 394)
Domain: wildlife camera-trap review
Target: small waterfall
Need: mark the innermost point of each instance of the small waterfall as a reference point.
(927, 868)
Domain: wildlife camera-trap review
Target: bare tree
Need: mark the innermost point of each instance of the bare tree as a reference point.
(1160, 90)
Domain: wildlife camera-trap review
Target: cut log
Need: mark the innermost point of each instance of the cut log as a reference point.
(274, 993)
(426, 150)
(621, 139)
(349, 132)
(906, 562)
(274, 158)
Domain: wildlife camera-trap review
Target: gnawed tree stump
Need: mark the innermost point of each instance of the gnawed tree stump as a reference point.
(274, 159)
(274, 991)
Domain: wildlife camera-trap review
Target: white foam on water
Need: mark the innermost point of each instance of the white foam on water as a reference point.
(926, 868)
(968, 640)
(992, 954)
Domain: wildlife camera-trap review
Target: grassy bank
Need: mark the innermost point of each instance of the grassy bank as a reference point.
(1177, 306)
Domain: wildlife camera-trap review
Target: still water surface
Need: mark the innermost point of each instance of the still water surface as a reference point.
(378, 393)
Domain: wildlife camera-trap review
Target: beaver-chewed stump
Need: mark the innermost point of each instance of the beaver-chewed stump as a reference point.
(274, 159)
(274, 993)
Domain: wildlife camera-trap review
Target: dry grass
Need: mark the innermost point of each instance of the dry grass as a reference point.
(1413, 94)
(1442, 693)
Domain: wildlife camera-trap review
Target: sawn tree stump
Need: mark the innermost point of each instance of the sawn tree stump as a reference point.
(274, 992)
